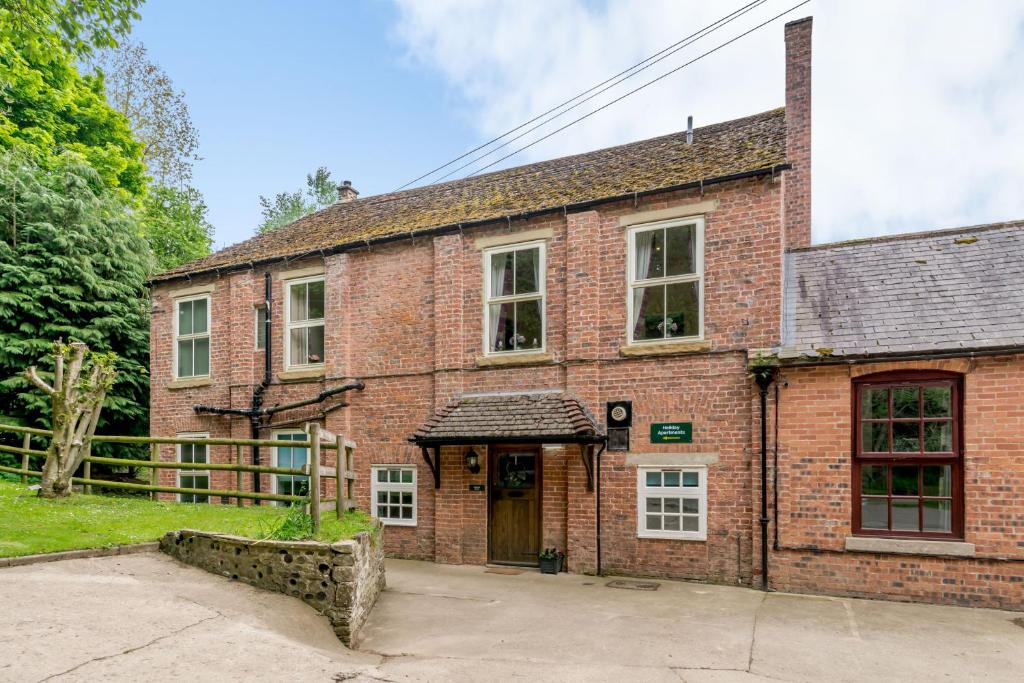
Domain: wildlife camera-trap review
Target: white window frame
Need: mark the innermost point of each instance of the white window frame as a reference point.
(208, 335)
(700, 492)
(378, 486)
(542, 294)
(256, 327)
(273, 477)
(193, 473)
(697, 276)
(289, 325)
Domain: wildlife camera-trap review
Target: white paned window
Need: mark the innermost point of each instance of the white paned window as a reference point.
(304, 316)
(514, 317)
(192, 338)
(198, 478)
(672, 502)
(393, 491)
(666, 281)
(291, 456)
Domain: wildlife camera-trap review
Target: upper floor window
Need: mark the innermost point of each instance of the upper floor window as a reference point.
(908, 469)
(666, 281)
(304, 315)
(514, 298)
(192, 338)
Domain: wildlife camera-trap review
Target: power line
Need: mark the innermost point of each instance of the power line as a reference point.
(635, 90)
(727, 18)
(688, 42)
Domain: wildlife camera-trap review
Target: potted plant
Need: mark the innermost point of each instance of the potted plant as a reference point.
(549, 561)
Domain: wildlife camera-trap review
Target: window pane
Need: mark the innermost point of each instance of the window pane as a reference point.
(649, 254)
(406, 476)
(874, 513)
(185, 318)
(406, 513)
(649, 312)
(691, 523)
(297, 309)
(691, 479)
(875, 437)
(502, 317)
(297, 349)
(937, 401)
(316, 300)
(395, 512)
(938, 515)
(671, 478)
(904, 514)
(301, 486)
(407, 498)
(199, 316)
(938, 436)
(654, 478)
(299, 457)
(382, 496)
(502, 273)
(529, 328)
(906, 437)
(394, 497)
(654, 522)
(395, 475)
(672, 505)
(938, 480)
(382, 475)
(527, 269)
(201, 349)
(874, 403)
(874, 480)
(905, 402)
(681, 247)
(199, 454)
(654, 505)
(904, 480)
(382, 511)
(691, 506)
(671, 523)
(315, 341)
(185, 363)
(261, 328)
(185, 451)
(683, 316)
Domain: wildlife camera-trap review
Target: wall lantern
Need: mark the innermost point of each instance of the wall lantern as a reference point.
(472, 461)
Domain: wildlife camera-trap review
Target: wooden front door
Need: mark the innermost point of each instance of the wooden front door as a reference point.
(515, 505)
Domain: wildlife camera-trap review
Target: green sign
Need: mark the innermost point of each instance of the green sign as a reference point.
(672, 432)
(476, 487)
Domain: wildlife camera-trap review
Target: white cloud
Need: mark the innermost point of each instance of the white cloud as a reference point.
(917, 105)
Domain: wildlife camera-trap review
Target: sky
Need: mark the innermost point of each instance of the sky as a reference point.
(917, 105)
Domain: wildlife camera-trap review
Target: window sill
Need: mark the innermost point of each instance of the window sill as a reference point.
(190, 383)
(664, 348)
(672, 537)
(513, 359)
(907, 546)
(305, 373)
(388, 522)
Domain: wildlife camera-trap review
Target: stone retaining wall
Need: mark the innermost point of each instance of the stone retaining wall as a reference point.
(340, 580)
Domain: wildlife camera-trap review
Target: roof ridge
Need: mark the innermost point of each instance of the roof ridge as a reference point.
(923, 234)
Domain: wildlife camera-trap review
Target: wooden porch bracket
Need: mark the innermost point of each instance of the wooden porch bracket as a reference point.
(435, 464)
(587, 455)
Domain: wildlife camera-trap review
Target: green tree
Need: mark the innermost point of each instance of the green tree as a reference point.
(73, 263)
(174, 221)
(286, 207)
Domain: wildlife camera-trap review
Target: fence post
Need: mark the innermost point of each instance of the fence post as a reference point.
(238, 473)
(26, 443)
(314, 475)
(341, 499)
(87, 471)
(154, 473)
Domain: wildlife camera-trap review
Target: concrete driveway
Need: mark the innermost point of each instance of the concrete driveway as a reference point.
(147, 617)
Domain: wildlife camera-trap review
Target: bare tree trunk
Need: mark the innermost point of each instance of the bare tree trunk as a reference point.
(77, 397)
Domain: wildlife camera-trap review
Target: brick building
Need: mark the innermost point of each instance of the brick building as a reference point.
(497, 322)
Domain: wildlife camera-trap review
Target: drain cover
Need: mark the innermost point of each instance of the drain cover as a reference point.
(633, 585)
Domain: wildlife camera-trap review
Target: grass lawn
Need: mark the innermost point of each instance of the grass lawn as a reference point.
(30, 525)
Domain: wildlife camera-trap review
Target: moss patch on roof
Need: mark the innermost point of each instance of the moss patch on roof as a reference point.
(720, 150)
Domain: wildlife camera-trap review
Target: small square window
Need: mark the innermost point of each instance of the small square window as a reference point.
(667, 516)
(394, 494)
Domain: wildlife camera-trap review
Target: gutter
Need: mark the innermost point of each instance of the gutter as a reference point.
(459, 227)
(804, 361)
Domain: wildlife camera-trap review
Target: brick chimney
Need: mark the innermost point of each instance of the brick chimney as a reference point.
(347, 193)
(796, 183)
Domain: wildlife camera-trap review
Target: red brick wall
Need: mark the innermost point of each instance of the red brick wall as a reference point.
(797, 180)
(815, 499)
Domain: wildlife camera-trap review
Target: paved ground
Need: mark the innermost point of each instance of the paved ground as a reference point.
(145, 616)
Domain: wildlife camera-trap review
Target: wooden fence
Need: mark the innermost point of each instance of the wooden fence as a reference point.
(317, 441)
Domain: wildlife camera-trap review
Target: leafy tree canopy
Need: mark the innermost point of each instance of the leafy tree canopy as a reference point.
(286, 207)
(174, 221)
(72, 265)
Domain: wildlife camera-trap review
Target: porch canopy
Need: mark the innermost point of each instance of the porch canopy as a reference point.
(480, 419)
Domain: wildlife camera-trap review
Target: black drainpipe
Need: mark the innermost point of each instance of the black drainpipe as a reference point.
(764, 377)
(255, 419)
(597, 494)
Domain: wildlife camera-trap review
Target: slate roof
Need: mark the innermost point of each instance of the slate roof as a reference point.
(542, 416)
(722, 150)
(947, 290)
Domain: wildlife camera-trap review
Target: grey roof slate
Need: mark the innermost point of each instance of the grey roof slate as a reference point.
(508, 417)
(946, 290)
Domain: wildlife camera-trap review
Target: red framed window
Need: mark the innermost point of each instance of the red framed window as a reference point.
(908, 455)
